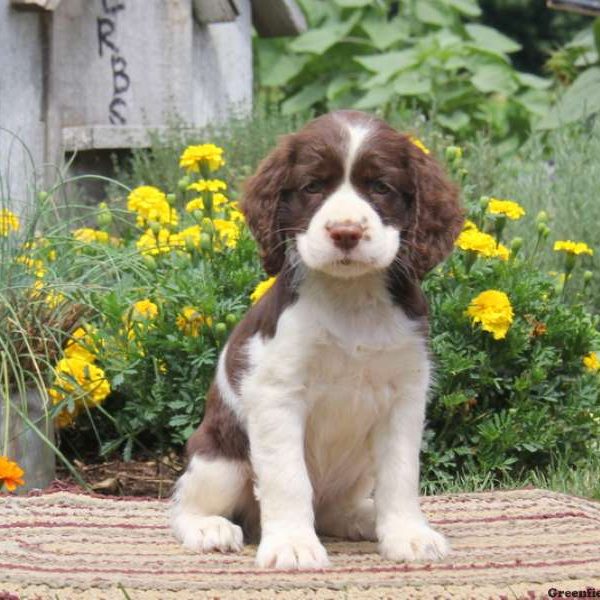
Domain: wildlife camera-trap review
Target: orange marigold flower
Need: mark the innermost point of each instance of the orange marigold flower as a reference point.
(11, 474)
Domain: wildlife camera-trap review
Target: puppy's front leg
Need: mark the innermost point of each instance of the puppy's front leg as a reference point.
(402, 529)
(276, 432)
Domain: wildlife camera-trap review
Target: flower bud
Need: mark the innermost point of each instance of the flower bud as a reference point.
(183, 183)
(197, 214)
(104, 217)
(542, 217)
(516, 245)
(207, 225)
(483, 202)
(231, 320)
(190, 246)
(587, 277)
(155, 227)
(42, 197)
(220, 330)
(171, 198)
(149, 262)
(205, 241)
(543, 230)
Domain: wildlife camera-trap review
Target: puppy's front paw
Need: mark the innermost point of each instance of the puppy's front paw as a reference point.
(413, 541)
(291, 551)
(210, 534)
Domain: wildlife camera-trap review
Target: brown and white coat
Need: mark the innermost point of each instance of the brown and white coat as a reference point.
(315, 418)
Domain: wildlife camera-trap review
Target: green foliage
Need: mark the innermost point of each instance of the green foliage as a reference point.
(576, 65)
(362, 55)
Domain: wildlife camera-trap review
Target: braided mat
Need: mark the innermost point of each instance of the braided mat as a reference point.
(506, 545)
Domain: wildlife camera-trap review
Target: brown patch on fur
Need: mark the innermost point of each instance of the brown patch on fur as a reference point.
(220, 433)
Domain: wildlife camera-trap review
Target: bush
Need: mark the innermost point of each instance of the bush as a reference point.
(401, 57)
(519, 388)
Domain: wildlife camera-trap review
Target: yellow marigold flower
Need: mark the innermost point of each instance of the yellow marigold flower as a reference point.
(573, 247)
(75, 375)
(218, 202)
(11, 474)
(8, 222)
(482, 243)
(191, 236)
(87, 235)
(54, 299)
(508, 208)
(194, 156)
(34, 265)
(151, 205)
(207, 185)
(144, 310)
(191, 320)
(469, 225)
(164, 242)
(419, 144)
(261, 289)
(502, 252)
(591, 362)
(228, 232)
(81, 345)
(236, 216)
(493, 310)
(195, 204)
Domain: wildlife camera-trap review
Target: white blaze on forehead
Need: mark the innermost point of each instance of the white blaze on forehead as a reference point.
(357, 134)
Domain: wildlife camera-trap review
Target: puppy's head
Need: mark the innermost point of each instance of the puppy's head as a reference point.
(353, 196)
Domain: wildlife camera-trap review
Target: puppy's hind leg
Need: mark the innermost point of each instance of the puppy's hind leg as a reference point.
(207, 496)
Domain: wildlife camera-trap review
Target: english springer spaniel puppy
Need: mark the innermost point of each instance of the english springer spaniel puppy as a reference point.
(313, 424)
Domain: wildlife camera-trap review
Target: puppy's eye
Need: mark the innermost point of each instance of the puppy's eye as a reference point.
(380, 187)
(314, 187)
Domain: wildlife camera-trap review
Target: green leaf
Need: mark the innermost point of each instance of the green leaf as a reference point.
(491, 38)
(285, 69)
(385, 33)
(318, 41)
(495, 78)
(432, 13)
(596, 30)
(375, 98)
(412, 83)
(535, 101)
(339, 85)
(581, 100)
(304, 99)
(533, 81)
(454, 121)
(466, 7)
(388, 63)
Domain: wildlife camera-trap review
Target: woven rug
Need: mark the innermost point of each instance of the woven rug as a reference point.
(513, 544)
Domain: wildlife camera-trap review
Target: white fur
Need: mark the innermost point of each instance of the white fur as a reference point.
(376, 250)
(336, 401)
(205, 498)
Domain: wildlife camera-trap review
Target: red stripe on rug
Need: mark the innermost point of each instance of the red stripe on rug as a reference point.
(404, 568)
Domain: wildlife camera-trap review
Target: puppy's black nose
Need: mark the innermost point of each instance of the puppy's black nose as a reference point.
(345, 235)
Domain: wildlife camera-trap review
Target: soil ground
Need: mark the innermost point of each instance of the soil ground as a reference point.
(153, 477)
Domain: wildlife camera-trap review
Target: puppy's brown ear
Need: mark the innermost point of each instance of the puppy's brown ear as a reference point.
(262, 194)
(438, 216)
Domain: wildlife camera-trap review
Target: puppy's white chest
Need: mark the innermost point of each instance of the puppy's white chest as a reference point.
(350, 389)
